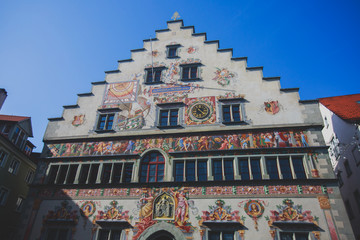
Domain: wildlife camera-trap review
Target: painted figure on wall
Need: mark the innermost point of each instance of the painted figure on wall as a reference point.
(78, 120)
(223, 76)
(272, 107)
(254, 209)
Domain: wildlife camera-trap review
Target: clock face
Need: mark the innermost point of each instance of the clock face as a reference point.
(200, 111)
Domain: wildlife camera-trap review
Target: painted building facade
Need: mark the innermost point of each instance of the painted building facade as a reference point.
(184, 141)
(17, 170)
(341, 115)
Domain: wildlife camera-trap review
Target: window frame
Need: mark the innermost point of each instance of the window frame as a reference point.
(19, 138)
(148, 164)
(170, 48)
(169, 107)
(224, 176)
(14, 169)
(105, 128)
(221, 234)
(231, 104)
(4, 195)
(29, 176)
(19, 205)
(109, 237)
(295, 174)
(3, 157)
(294, 233)
(197, 162)
(189, 68)
(153, 72)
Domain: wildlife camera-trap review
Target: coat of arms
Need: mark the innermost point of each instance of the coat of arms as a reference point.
(78, 120)
(272, 107)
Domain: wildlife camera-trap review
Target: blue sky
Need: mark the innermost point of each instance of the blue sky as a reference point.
(52, 50)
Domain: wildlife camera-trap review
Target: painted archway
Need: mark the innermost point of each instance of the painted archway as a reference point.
(162, 231)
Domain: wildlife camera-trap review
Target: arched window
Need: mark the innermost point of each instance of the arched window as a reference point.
(152, 167)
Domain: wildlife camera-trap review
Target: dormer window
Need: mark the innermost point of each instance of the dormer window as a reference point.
(153, 75)
(190, 72)
(172, 51)
(19, 137)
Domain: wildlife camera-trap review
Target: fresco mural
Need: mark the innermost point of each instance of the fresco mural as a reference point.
(254, 209)
(113, 212)
(192, 49)
(200, 111)
(230, 95)
(272, 107)
(190, 143)
(220, 213)
(120, 93)
(169, 204)
(288, 212)
(223, 76)
(78, 120)
(166, 90)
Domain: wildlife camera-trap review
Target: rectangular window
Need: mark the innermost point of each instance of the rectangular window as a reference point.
(4, 193)
(190, 170)
(105, 122)
(72, 174)
(172, 51)
(5, 129)
(58, 234)
(117, 172)
(232, 113)
(14, 166)
(29, 176)
(347, 168)
(109, 234)
(217, 170)
(153, 75)
(223, 169)
(128, 172)
(62, 174)
(93, 173)
(3, 157)
(84, 172)
(189, 72)
(255, 168)
(19, 204)
(298, 165)
(294, 236)
(244, 168)
(271, 166)
(285, 168)
(169, 117)
(229, 169)
(216, 235)
(106, 173)
(53, 173)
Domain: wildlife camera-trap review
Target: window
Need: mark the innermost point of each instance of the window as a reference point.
(19, 137)
(71, 174)
(29, 176)
(19, 204)
(216, 235)
(232, 111)
(105, 122)
(14, 166)
(169, 117)
(172, 51)
(116, 172)
(190, 72)
(294, 236)
(109, 234)
(254, 170)
(152, 167)
(3, 157)
(58, 234)
(349, 210)
(153, 75)
(5, 129)
(190, 170)
(347, 168)
(357, 199)
(28, 149)
(285, 167)
(223, 169)
(4, 193)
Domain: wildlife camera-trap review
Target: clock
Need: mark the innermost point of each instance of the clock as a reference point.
(200, 111)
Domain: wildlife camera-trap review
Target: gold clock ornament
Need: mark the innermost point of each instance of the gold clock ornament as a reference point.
(200, 111)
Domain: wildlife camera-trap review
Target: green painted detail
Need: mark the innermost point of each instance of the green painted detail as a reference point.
(299, 188)
(203, 190)
(102, 192)
(77, 192)
(324, 189)
(266, 189)
(234, 190)
(128, 191)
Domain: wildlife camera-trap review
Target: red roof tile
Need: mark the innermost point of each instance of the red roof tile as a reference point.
(346, 107)
(12, 118)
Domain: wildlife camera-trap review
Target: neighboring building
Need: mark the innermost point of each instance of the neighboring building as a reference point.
(184, 141)
(16, 170)
(3, 95)
(341, 131)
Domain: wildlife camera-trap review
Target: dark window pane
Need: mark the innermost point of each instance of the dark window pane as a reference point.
(157, 75)
(271, 166)
(106, 173)
(152, 168)
(286, 236)
(173, 117)
(244, 169)
(228, 236)
(202, 170)
(214, 235)
(128, 172)
(149, 77)
(172, 52)
(193, 72)
(179, 171)
(190, 171)
(229, 169)
(298, 167)
(236, 113)
(63, 233)
(217, 169)
(301, 236)
(84, 173)
(185, 72)
(285, 167)
(255, 168)
(164, 117)
(226, 113)
(117, 173)
(52, 174)
(115, 234)
(104, 234)
(93, 173)
(110, 121)
(72, 174)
